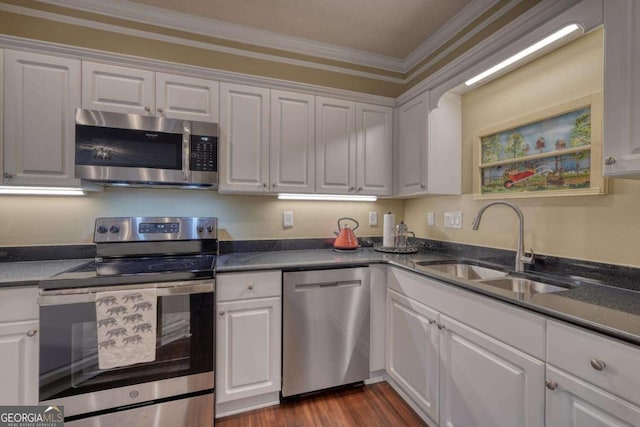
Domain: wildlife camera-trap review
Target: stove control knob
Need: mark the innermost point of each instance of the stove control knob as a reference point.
(210, 228)
(114, 229)
(200, 229)
(102, 229)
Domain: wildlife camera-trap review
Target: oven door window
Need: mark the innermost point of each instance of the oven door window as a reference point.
(98, 146)
(69, 347)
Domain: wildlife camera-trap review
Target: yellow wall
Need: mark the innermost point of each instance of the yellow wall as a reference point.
(27, 220)
(597, 228)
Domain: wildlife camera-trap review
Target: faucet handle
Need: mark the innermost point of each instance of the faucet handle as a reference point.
(528, 259)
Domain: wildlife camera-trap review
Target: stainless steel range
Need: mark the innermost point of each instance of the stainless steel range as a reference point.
(171, 259)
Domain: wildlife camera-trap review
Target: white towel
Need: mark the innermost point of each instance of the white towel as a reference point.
(126, 323)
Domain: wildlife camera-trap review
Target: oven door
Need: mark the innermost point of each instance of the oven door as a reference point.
(69, 372)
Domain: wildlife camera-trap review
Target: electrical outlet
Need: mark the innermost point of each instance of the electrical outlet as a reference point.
(287, 219)
(431, 218)
(453, 219)
(373, 219)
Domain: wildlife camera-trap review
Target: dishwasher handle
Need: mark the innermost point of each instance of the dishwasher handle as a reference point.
(327, 285)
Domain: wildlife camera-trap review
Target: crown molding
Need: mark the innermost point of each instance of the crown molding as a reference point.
(192, 43)
(449, 30)
(152, 15)
(37, 46)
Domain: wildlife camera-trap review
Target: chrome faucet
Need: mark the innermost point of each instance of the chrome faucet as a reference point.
(521, 258)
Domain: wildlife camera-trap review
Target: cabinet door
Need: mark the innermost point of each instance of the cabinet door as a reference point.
(292, 142)
(412, 357)
(117, 89)
(621, 142)
(41, 94)
(484, 382)
(412, 146)
(374, 125)
(248, 348)
(444, 146)
(19, 363)
(335, 146)
(575, 403)
(244, 138)
(187, 98)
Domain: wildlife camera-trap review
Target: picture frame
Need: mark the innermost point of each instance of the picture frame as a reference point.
(553, 152)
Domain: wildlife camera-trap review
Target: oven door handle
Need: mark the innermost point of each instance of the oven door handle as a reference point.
(84, 295)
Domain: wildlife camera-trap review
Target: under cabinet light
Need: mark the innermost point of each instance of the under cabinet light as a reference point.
(327, 197)
(523, 54)
(42, 191)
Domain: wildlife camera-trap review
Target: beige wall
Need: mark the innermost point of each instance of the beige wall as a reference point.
(597, 228)
(27, 220)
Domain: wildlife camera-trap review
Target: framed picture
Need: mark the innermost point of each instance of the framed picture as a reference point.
(554, 152)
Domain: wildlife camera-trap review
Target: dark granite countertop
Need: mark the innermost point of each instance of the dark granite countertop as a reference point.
(609, 310)
(30, 273)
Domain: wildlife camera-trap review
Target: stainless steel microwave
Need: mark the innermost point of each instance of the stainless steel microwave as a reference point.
(131, 149)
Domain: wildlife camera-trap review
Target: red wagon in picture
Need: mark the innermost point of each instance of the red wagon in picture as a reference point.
(517, 176)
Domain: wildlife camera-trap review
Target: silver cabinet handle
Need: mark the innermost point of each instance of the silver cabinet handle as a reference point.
(609, 161)
(551, 384)
(221, 312)
(8, 175)
(273, 185)
(431, 321)
(147, 109)
(441, 326)
(32, 332)
(598, 365)
(423, 186)
(250, 287)
(352, 188)
(159, 110)
(264, 185)
(359, 188)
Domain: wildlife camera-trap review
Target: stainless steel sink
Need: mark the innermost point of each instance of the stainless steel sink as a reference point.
(464, 271)
(522, 286)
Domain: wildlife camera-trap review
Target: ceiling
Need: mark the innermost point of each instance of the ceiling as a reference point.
(392, 28)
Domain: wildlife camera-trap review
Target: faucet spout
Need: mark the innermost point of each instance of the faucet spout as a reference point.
(521, 258)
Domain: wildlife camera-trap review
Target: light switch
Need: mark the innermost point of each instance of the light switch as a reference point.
(453, 219)
(431, 218)
(373, 219)
(287, 219)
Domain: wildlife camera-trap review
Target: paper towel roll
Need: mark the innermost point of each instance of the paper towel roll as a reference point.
(388, 230)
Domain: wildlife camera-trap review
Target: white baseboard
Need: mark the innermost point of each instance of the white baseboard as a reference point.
(247, 404)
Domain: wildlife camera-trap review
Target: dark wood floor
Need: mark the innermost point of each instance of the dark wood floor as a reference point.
(368, 406)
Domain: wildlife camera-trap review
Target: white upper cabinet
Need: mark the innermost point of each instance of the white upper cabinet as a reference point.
(621, 142)
(129, 90)
(117, 89)
(244, 138)
(353, 147)
(374, 125)
(186, 98)
(41, 94)
(429, 146)
(335, 146)
(291, 159)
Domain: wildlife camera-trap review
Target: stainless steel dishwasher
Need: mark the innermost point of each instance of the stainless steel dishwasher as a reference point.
(325, 329)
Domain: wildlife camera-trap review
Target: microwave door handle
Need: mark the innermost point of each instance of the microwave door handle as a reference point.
(186, 138)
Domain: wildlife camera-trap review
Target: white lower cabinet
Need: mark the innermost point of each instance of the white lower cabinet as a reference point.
(248, 353)
(457, 375)
(485, 382)
(571, 402)
(413, 350)
(18, 346)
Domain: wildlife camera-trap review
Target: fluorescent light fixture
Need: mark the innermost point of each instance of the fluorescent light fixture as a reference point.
(523, 54)
(327, 197)
(42, 191)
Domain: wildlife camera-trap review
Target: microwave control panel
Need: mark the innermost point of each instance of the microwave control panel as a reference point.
(204, 153)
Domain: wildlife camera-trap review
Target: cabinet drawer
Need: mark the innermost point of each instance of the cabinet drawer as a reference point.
(18, 304)
(574, 350)
(258, 284)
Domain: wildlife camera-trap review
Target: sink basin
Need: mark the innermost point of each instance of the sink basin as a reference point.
(464, 271)
(522, 286)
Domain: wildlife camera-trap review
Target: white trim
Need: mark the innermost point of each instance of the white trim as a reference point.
(240, 33)
(192, 43)
(514, 36)
(450, 29)
(38, 46)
